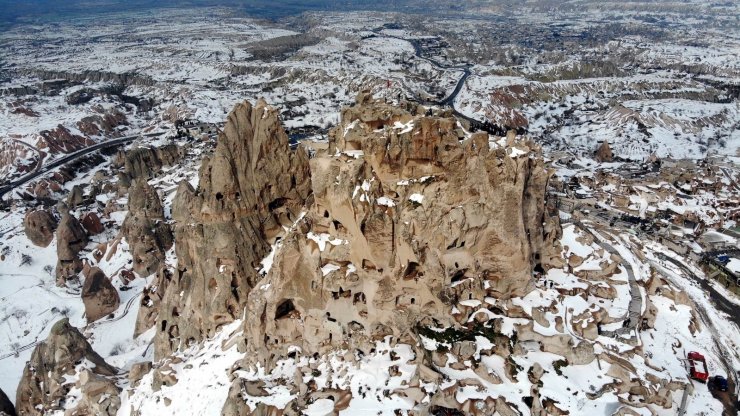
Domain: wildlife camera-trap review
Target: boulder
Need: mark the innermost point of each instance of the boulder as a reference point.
(604, 153)
(91, 223)
(75, 197)
(46, 377)
(99, 295)
(100, 395)
(138, 371)
(39, 227)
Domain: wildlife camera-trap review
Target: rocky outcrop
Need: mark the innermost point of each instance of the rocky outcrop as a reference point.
(75, 197)
(145, 229)
(91, 223)
(144, 162)
(408, 217)
(61, 140)
(99, 295)
(604, 153)
(6, 407)
(71, 238)
(106, 121)
(39, 227)
(151, 301)
(250, 188)
(57, 365)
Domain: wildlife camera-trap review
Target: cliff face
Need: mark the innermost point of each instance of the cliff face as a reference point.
(251, 187)
(408, 218)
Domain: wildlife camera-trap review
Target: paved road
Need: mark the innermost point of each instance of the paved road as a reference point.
(449, 101)
(717, 299)
(69, 158)
(723, 352)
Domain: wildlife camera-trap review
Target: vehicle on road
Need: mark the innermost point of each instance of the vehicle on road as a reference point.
(697, 367)
(720, 383)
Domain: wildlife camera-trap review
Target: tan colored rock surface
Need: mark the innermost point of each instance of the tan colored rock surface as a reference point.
(99, 295)
(100, 395)
(45, 378)
(151, 300)
(138, 371)
(75, 197)
(406, 220)
(604, 153)
(251, 186)
(39, 227)
(91, 223)
(145, 229)
(71, 239)
(144, 162)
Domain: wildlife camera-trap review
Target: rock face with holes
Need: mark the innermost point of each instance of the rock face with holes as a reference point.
(409, 217)
(71, 239)
(250, 188)
(63, 361)
(39, 227)
(145, 229)
(99, 295)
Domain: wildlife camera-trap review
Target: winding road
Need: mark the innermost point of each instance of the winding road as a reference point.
(718, 300)
(69, 158)
(449, 101)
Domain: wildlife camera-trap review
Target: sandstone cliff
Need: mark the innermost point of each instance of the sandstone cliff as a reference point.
(409, 217)
(250, 188)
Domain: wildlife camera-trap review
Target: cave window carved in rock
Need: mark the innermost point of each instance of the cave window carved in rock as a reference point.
(284, 309)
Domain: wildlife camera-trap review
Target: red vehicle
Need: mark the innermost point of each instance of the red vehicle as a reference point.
(698, 367)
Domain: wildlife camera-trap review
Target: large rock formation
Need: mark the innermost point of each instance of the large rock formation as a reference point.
(39, 227)
(59, 364)
(6, 407)
(143, 162)
(409, 217)
(71, 239)
(145, 229)
(251, 188)
(99, 295)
